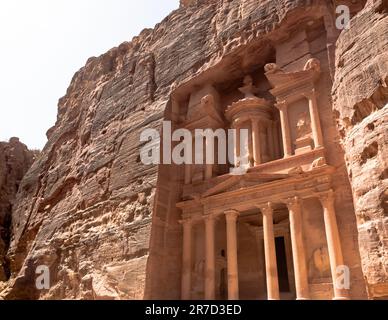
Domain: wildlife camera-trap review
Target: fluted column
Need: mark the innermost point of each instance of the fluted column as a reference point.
(270, 253)
(287, 144)
(256, 142)
(210, 265)
(298, 250)
(186, 260)
(333, 243)
(231, 236)
(315, 121)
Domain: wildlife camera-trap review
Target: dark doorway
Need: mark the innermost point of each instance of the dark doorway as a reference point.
(281, 257)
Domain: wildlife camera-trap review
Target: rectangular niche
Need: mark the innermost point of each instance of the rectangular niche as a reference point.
(300, 126)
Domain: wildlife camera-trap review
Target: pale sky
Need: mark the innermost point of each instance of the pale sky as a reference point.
(44, 42)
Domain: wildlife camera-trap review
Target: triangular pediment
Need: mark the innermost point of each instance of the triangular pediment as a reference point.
(238, 182)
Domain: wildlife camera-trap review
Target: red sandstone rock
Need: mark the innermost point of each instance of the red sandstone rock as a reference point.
(15, 160)
(361, 100)
(108, 226)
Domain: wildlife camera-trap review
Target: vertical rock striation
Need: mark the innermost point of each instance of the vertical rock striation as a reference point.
(15, 160)
(361, 101)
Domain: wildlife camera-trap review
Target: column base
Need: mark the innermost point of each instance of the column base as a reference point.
(341, 299)
(302, 299)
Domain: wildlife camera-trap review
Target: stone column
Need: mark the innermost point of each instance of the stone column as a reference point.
(210, 264)
(256, 142)
(264, 142)
(333, 243)
(276, 140)
(298, 251)
(315, 121)
(231, 235)
(237, 145)
(270, 253)
(287, 144)
(186, 261)
(255, 230)
(270, 140)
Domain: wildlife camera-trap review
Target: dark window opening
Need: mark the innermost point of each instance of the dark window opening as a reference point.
(281, 257)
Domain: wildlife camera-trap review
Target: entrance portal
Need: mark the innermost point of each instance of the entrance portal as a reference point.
(281, 257)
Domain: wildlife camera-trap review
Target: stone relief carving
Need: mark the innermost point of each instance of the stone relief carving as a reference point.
(272, 68)
(313, 64)
(320, 264)
(303, 126)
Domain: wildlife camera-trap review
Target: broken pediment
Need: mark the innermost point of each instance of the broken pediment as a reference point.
(204, 110)
(284, 83)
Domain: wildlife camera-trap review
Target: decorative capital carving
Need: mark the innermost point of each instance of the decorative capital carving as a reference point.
(266, 209)
(186, 223)
(327, 198)
(231, 215)
(293, 203)
(210, 218)
(310, 94)
(281, 104)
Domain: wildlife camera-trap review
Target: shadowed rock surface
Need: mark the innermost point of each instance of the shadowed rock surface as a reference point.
(15, 160)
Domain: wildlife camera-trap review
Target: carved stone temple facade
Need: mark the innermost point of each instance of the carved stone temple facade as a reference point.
(284, 230)
(273, 233)
(308, 219)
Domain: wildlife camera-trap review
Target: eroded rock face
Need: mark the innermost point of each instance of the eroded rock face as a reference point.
(361, 97)
(86, 207)
(15, 160)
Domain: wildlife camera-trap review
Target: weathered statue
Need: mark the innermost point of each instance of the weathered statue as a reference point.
(249, 90)
(303, 127)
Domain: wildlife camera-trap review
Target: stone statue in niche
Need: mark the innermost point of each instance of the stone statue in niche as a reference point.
(319, 264)
(304, 140)
(303, 126)
(249, 90)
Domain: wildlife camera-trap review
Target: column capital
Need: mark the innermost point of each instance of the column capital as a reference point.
(293, 203)
(266, 209)
(231, 215)
(186, 222)
(281, 104)
(327, 198)
(210, 218)
(310, 93)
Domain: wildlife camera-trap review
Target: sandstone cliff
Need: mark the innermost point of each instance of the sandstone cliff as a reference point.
(85, 207)
(361, 100)
(15, 160)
